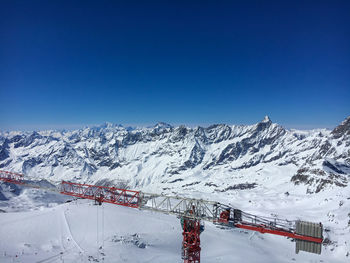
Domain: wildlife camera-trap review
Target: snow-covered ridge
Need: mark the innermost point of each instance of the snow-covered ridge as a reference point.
(170, 157)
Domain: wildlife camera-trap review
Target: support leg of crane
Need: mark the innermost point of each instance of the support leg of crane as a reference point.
(191, 241)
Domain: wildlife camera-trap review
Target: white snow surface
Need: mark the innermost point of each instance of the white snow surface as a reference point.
(82, 232)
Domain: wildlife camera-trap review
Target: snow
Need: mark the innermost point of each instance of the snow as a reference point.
(74, 232)
(266, 119)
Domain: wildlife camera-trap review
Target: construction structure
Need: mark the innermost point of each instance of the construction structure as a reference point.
(308, 236)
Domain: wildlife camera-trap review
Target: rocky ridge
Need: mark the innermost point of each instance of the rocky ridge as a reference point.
(171, 157)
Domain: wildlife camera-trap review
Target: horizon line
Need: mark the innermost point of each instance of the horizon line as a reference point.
(70, 127)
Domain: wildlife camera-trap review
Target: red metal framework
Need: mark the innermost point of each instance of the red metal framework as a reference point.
(308, 235)
(265, 229)
(191, 241)
(264, 226)
(101, 194)
(10, 177)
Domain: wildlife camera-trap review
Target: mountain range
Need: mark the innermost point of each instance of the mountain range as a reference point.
(163, 157)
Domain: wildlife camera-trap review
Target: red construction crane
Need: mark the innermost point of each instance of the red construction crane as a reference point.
(308, 236)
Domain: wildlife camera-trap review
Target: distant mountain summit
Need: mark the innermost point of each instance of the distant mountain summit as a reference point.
(343, 129)
(212, 159)
(266, 119)
(163, 125)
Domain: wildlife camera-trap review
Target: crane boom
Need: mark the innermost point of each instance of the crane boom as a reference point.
(308, 235)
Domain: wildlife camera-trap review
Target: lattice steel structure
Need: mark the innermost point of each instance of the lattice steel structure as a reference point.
(101, 194)
(11, 177)
(191, 240)
(308, 236)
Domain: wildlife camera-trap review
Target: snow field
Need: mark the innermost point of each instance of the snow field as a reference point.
(74, 232)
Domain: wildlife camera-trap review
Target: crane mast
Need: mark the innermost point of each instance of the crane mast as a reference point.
(308, 235)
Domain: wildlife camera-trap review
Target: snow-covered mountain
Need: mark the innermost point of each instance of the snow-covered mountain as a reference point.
(263, 168)
(215, 158)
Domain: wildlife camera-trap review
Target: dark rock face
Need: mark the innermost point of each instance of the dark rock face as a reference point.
(15, 139)
(132, 138)
(342, 130)
(335, 167)
(244, 186)
(5, 164)
(217, 133)
(30, 163)
(9, 188)
(134, 239)
(325, 148)
(2, 197)
(161, 128)
(316, 179)
(264, 134)
(196, 156)
(27, 140)
(4, 150)
(178, 134)
(233, 151)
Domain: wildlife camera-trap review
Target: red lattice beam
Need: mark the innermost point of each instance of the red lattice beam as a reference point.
(265, 229)
(101, 194)
(10, 177)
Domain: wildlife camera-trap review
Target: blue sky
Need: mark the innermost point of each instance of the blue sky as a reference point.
(67, 64)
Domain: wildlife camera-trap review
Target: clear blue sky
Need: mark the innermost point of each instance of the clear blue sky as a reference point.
(74, 63)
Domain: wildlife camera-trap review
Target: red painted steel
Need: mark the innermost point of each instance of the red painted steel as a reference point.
(101, 194)
(191, 227)
(10, 177)
(224, 216)
(191, 241)
(265, 229)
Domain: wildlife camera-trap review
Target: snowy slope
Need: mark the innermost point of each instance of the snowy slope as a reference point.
(69, 233)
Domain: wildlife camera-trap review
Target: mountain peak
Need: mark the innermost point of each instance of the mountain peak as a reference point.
(342, 129)
(162, 125)
(266, 119)
(108, 125)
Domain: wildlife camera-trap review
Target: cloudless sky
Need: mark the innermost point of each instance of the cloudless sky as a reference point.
(74, 63)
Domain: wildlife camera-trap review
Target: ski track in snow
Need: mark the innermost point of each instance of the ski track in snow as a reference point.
(70, 236)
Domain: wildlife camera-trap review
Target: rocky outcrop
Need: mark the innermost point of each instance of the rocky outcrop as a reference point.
(342, 130)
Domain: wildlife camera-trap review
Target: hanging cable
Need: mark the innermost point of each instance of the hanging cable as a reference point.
(97, 234)
(103, 226)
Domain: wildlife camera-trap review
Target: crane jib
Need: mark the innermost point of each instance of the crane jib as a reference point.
(308, 236)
